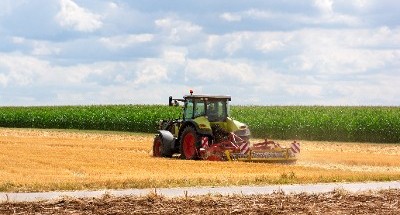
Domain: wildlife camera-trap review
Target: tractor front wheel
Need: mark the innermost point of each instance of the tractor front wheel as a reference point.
(160, 148)
(188, 143)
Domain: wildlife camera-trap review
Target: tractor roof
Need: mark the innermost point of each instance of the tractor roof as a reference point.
(207, 97)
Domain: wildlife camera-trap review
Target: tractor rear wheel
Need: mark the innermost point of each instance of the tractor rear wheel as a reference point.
(189, 140)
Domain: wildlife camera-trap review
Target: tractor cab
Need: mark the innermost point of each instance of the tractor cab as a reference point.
(214, 108)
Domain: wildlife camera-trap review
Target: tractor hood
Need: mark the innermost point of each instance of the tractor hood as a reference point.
(237, 127)
(230, 125)
(202, 125)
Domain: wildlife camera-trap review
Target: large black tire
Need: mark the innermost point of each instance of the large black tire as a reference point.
(157, 146)
(160, 149)
(189, 144)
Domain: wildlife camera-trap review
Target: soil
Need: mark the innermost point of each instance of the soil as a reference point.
(336, 202)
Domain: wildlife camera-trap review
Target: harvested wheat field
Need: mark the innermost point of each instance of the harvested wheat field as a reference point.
(44, 160)
(336, 202)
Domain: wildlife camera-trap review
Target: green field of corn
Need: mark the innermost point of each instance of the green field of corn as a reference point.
(357, 124)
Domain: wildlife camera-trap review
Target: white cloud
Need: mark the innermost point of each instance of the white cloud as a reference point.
(20, 70)
(374, 89)
(124, 41)
(38, 47)
(272, 41)
(332, 60)
(327, 16)
(315, 91)
(267, 46)
(175, 55)
(308, 52)
(218, 71)
(150, 73)
(113, 5)
(43, 48)
(178, 30)
(325, 6)
(341, 52)
(362, 4)
(73, 16)
(230, 17)
(235, 43)
(18, 40)
(260, 14)
(25, 70)
(3, 80)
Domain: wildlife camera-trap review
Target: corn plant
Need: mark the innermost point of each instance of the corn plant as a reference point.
(361, 124)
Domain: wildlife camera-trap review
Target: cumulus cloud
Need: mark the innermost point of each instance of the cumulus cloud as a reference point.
(71, 15)
(84, 83)
(230, 17)
(178, 30)
(150, 73)
(325, 6)
(3, 80)
(341, 52)
(216, 71)
(326, 15)
(20, 70)
(123, 41)
(310, 52)
(329, 15)
(175, 55)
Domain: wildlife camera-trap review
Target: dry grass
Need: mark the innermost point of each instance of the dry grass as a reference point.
(336, 202)
(37, 160)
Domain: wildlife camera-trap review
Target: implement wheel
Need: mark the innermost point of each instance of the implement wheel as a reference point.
(157, 146)
(189, 140)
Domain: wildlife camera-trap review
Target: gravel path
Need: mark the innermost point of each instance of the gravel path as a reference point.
(197, 191)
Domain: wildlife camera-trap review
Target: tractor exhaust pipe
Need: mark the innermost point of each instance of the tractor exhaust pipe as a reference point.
(170, 101)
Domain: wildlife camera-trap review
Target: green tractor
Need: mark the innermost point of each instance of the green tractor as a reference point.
(205, 121)
(207, 132)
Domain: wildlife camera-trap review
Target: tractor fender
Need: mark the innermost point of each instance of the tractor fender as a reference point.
(168, 141)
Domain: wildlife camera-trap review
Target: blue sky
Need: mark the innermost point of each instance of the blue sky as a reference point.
(261, 52)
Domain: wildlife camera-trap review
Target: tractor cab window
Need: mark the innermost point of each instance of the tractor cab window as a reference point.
(194, 108)
(199, 108)
(216, 111)
(188, 113)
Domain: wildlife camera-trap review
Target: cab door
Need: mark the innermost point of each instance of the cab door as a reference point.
(188, 111)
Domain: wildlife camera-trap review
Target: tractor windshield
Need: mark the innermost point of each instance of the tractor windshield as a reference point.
(217, 111)
(199, 108)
